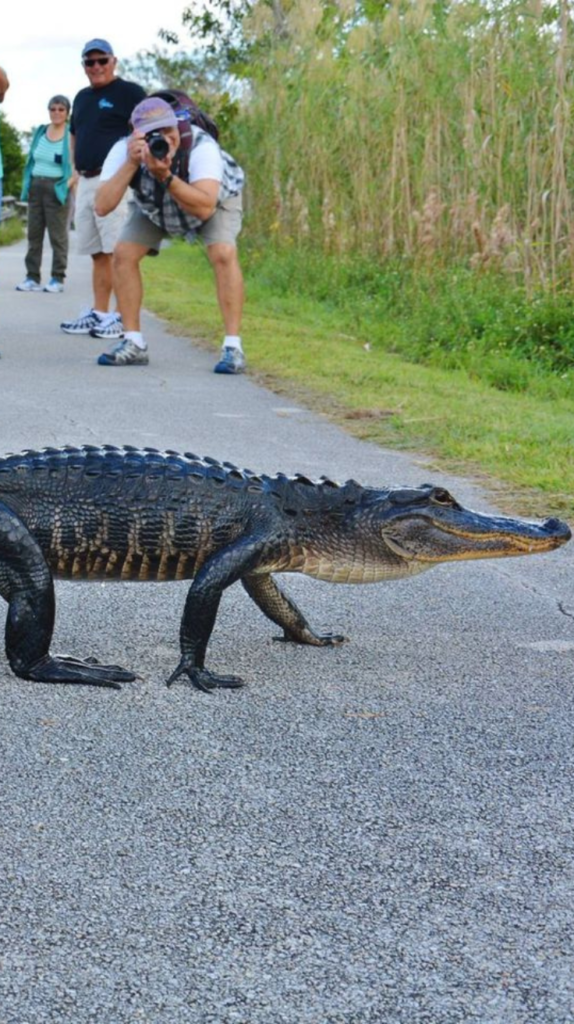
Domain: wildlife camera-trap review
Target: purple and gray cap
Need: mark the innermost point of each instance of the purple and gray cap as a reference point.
(153, 113)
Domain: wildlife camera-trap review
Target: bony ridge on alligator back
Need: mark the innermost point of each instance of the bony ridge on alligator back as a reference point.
(105, 513)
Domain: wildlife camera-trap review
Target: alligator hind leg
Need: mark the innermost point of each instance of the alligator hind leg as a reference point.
(26, 584)
(275, 604)
(63, 669)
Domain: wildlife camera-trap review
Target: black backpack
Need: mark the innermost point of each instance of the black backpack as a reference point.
(188, 113)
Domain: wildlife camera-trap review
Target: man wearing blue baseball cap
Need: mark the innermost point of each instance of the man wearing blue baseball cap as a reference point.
(100, 116)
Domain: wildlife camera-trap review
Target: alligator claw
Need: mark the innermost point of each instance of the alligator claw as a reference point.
(314, 639)
(205, 680)
(65, 669)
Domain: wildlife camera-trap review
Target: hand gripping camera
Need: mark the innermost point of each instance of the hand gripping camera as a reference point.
(158, 145)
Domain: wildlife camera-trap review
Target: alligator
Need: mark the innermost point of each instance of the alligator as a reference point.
(111, 513)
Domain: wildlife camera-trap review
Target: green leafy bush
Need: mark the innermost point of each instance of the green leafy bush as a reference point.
(12, 157)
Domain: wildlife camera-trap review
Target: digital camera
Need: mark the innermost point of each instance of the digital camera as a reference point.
(158, 145)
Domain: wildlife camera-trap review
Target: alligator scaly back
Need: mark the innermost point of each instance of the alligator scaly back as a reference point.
(104, 512)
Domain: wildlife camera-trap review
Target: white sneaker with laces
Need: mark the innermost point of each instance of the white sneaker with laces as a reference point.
(111, 329)
(87, 319)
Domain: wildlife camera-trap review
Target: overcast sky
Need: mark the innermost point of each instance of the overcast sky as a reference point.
(41, 46)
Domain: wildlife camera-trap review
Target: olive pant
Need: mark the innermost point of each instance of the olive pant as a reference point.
(46, 212)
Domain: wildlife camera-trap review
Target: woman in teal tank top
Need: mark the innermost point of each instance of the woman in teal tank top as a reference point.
(46, 186)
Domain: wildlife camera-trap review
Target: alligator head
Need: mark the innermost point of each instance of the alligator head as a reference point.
(428, 525)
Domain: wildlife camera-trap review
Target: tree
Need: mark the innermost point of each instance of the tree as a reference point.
(241, 33)
(198, 75)
(159, 69)
(12, 157)
(218, 27)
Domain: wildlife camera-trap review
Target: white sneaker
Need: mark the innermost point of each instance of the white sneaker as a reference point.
(29, 286)
(54, 285)
(86, 320)
(111, 328)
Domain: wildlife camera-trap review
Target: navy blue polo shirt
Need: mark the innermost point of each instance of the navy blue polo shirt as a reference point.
(99, 118)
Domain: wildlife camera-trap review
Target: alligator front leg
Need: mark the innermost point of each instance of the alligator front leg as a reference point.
(196, 628)
(26, 584)
(218, 573)
(278, 607)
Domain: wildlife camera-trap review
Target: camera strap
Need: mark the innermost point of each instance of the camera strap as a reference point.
(179, 168)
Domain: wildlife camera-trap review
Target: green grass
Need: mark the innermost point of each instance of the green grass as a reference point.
(11, 231)
(328, 354)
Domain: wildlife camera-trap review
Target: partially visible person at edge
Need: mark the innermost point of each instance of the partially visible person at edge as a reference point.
(46, 185)
(201, 200)
(4, 86)
(100, 116)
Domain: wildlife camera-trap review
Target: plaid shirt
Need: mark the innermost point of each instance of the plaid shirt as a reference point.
(158, 205)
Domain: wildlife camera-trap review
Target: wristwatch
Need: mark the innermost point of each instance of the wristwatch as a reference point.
(167, 182)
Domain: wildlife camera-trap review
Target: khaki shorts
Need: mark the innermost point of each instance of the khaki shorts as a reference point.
(223, 226)
(96, 234)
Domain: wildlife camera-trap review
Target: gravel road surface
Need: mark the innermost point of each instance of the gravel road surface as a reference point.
(380, 832)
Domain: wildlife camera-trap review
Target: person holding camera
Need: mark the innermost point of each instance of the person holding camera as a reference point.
(193, 193)
(46, 187)
(100, 116)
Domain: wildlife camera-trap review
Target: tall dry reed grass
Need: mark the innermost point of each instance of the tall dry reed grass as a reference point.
(404, 133)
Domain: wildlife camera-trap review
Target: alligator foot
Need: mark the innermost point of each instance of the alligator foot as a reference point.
(314, 639)
(64, 669)
(203, 679)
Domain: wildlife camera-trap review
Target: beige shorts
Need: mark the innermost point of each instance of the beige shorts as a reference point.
(96, 234)
(223, 226)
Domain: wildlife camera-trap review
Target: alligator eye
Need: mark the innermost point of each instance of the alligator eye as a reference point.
(442, 497)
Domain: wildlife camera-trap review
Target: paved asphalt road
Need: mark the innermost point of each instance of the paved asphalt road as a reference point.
(376, 833)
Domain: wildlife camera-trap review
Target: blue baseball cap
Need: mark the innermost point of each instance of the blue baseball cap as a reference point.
(97, 44)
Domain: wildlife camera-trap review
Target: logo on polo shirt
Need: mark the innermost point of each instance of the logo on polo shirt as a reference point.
(104, 103)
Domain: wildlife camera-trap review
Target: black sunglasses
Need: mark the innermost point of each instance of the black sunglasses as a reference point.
(90, 61)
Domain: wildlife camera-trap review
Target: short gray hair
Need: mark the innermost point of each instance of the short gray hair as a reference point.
(63, 101)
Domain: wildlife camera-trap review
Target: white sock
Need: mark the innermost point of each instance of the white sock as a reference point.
(232, 341)
(136, 337)
(114, 315)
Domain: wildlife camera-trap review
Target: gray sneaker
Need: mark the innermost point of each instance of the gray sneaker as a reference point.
(111, 329)
(232, 361)
(127, 353)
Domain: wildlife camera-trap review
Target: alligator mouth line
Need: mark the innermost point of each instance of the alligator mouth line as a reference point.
(503, 545)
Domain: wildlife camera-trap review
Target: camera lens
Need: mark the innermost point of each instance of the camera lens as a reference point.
(158, 146)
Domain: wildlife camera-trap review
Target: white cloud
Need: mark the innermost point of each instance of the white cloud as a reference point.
(40, 49)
